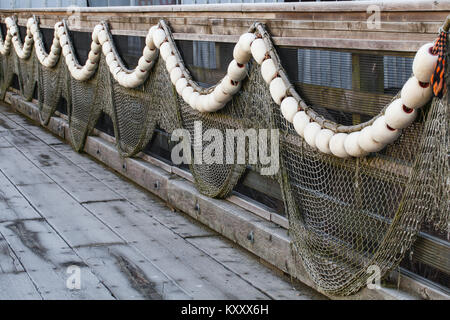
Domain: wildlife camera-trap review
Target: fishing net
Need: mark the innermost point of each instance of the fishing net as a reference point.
(344, 214)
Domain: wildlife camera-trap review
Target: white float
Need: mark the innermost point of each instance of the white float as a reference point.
(171, 62)
(180, 85)
(259, 50)
(398, 116)
(323, 140)
(245, 41)
(158, 36)
(277, 90)
(240, 55)
(175, 74)
(300, 121)
(337, 145)
(229, 86)
(268, 70)
(186, 94)
(366, 141)
(312, 129)
(382, 133)
(165, 50)
(415, 95)
(219, 95)
(289, 107)
(424, 63)
(236, 71)
(351, 145)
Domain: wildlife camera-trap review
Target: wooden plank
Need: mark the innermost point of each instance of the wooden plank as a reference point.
(75, 181)
(6, 124)
(46, 258)
(9, 263)
(137, 169)
(19, 170)
(4, 143)
(403, 28)
(67, 151)
(268, 281)
(13, 206)
(200, 276)
(177, 222)
(52, 202)
(17, 286)
(67, 216)
(129, 275)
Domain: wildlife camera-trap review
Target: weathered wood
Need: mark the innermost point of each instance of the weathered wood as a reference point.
(17, 286)
(129, 275)
(66, 174)
(4, 143)
(13, 206)
(46, 257)
(199, 275)
(403, 27)
(9, 263)
(259, 276)
(20, 171)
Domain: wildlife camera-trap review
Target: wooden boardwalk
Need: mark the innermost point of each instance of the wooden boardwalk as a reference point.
(60, 209)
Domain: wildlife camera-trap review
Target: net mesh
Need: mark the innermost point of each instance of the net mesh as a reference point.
(344, 214)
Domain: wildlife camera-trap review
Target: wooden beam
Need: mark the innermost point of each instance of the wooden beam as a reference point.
(404, 26)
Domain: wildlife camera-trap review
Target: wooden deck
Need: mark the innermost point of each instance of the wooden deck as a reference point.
(59, 208)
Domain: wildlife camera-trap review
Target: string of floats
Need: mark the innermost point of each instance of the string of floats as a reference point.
(322, 134)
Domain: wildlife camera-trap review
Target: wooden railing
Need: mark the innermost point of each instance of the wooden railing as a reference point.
(404, 25)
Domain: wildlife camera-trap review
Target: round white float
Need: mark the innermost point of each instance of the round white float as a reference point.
(300, 121)
(240, 55)
(351, 145)
(229, 86)
(289, 107)
(96, 32)
(398, 116)
(366, 141)
(171, 62)
(193, 100)
(144, 64)
(424, 63)
(165, 50)
(175, 74)
(382, 133)
(219, 95)
(159, 36)
(337, 145)
(180, 85)
(259, 50)
(236, 71)
(150, 54)
(268, 70)
(186, 94)
(245, 41)
(106, 48)
(414, 94)
(277, 90)
(312, 129)
(323, 140)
